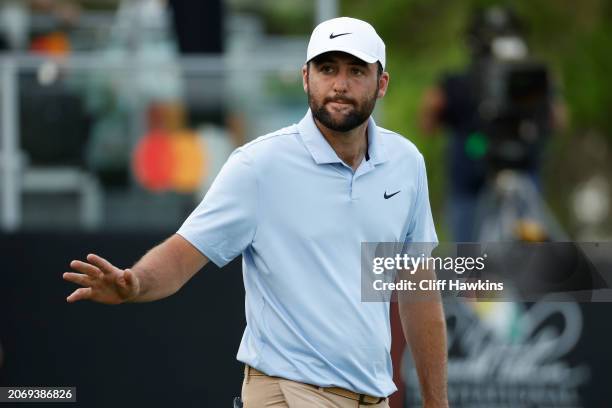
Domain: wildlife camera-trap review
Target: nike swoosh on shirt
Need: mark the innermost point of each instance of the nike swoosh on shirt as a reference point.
(388, 196)
(332, 35)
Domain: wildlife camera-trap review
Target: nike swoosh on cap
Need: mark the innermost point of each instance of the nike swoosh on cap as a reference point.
(332, 35)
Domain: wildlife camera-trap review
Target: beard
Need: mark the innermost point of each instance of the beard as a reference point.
(359, 113)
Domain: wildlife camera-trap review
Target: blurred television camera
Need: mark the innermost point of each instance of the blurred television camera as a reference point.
(498, 112)
(514, 93)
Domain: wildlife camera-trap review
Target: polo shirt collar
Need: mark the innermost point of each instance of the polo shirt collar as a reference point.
(323, 153)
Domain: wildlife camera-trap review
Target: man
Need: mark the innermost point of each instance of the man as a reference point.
(297, 204)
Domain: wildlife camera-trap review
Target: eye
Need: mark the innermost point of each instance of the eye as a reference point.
(357, 71)
(326, 69)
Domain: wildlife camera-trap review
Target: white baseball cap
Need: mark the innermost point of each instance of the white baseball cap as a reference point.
(346, 34)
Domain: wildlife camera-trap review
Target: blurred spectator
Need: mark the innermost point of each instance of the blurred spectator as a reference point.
(14, 25)
(18, 33)
(53, 43)
(138, 68)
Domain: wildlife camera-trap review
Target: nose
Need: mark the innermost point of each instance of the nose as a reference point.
(341, 82)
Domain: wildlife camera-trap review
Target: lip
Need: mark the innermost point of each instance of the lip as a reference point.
(336, 104)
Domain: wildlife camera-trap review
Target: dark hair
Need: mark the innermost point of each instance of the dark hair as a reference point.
(380, 68)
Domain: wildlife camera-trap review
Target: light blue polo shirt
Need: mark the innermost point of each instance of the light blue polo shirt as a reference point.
(298, 216)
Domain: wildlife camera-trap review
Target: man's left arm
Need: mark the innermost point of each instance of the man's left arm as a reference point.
(424, 327)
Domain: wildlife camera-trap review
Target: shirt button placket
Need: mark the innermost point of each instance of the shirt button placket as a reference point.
(354, 195)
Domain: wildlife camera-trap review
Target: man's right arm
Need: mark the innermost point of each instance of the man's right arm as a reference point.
(160, 273)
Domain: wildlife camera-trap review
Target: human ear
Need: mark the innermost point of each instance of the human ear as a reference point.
(383, 84)
(305, 78)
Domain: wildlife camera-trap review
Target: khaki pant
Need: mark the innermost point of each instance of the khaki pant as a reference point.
(262, 391)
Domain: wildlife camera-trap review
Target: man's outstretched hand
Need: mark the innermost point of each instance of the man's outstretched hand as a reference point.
(102, 282)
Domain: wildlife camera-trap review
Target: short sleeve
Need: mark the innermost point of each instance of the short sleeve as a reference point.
(421, 236)
(224, 223)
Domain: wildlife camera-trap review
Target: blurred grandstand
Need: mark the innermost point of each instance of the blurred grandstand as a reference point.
(85, 87)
